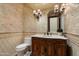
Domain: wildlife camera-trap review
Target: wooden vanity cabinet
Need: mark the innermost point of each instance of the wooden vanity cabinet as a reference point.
(48, 47)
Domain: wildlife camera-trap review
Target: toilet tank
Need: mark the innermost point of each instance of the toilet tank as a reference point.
(27, 40)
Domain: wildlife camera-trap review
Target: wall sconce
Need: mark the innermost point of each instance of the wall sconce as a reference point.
(37, 13)
(59, 8)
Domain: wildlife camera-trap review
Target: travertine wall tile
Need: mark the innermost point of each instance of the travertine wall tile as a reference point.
(8, 43)
(72, 27)
(11, 20)
(72, 19)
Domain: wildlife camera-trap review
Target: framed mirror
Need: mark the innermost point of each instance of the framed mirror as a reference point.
(54, 22)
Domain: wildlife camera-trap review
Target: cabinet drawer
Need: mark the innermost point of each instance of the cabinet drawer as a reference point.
(60, 42)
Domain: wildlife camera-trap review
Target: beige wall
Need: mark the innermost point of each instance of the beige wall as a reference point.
(29, 21)
(71, 19)
(11, 27)
(72, 27)
(8, 43)
(10, 16)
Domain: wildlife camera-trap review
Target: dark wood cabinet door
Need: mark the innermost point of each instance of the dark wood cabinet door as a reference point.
(50, 46)
(60, 50)
(36, 48)
(50, 51)
(43, 47)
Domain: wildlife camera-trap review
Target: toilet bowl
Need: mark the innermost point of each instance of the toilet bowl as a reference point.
(21, 47)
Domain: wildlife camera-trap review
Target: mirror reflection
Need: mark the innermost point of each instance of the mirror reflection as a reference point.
(53, 24)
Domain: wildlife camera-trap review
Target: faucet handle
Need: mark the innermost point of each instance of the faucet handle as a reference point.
(44, 33)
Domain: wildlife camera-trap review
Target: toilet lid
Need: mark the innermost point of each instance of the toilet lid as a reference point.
(22, 46)
(20, 49)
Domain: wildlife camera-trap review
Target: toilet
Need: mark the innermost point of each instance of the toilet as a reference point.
(20, 49)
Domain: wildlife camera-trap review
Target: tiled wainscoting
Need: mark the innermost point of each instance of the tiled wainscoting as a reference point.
(8, 43)
(73, 42)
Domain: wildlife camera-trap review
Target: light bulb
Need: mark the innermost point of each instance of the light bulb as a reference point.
(56, 6)
(38, 10)
(34, 11)
(41, 13)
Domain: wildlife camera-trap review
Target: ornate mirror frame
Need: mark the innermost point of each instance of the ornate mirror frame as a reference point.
(51, 14)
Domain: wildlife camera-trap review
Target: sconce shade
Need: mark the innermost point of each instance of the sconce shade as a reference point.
(37, 13)
(59, 8)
